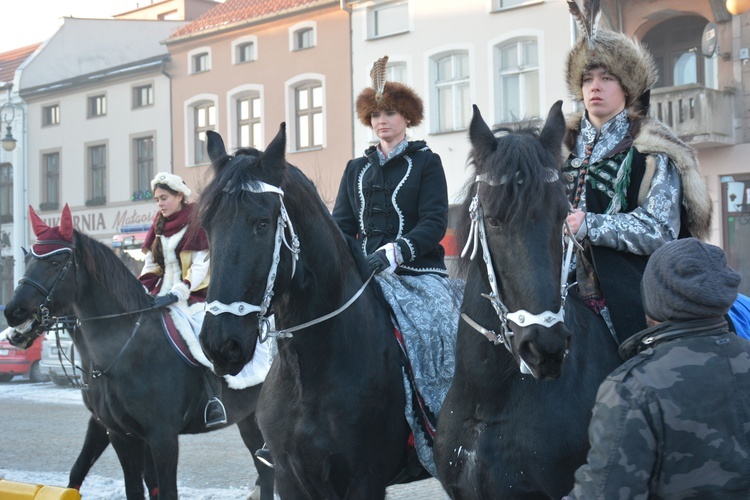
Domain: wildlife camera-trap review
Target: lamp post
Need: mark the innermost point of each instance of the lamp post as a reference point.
(737, 7)
(12, 119)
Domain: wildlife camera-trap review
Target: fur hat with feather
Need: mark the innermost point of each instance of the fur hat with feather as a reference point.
(624, 57)
(388, 96)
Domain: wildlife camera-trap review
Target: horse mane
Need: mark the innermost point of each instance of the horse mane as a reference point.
(517, 174)
(104, 267)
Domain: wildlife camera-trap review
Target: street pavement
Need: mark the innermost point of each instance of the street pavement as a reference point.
(44, 436)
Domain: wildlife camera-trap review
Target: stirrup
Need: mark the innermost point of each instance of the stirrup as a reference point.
(264, 455)
(216, 407)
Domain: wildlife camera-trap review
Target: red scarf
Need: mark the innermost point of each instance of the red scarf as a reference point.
(192, 240)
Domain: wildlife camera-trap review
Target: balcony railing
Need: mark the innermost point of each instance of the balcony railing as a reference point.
(700, 116)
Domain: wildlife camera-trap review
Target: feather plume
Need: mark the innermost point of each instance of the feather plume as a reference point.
(587, 19)
(377, 73)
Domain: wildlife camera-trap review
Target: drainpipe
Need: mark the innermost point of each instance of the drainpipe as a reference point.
(171, 131)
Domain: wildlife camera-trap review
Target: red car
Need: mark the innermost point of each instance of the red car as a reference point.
(15, 361)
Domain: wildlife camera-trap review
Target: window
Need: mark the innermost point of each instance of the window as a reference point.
(143, 148)
(735, 194)
(452, 92)
(97, 106)
(517, 82)
(200, 62)
(205, 120)
(308, 102)
(143, 95)
(302, 35)
(6, 190)
(388, 19)
(51, 165)
(507, 4)
(303, 39)
(395, 71)
(675, 45)
(245, 52)
(50, 115)
(97, 161)
(248, 121)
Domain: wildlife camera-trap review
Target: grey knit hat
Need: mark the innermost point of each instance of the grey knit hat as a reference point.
(688, 279)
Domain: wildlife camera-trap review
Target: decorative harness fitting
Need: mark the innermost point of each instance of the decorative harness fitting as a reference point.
(243, 308)
(266, 326)
(478, 238)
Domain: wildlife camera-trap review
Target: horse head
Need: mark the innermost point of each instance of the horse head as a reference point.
(45, 287)
(517, 206)
(242, 210)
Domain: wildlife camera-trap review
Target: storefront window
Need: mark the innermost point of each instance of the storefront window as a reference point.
(736, 204)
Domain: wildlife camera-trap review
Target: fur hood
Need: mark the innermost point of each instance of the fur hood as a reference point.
(652, 136)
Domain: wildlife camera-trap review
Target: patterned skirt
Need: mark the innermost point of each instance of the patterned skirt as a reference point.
(425, 312)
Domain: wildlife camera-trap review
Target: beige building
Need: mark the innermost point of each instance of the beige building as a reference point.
(246, 66)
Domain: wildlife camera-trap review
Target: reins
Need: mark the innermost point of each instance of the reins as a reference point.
(241, 308)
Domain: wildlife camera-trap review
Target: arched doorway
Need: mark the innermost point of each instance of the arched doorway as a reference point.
(676, 47)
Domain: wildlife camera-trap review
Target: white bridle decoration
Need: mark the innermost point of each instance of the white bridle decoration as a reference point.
(478, 238)
(243, 308)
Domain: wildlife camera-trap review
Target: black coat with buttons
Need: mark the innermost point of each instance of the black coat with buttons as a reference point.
(405, 200)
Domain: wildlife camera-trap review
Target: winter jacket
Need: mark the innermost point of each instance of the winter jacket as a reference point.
(404, 201)
(673, 422)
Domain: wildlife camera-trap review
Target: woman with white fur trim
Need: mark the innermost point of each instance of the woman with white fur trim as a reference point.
(177, 260)
(177, 265)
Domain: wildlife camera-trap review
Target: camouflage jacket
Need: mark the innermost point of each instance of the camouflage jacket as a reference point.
(672, 422)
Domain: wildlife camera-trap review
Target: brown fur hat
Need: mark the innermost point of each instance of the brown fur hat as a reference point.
(388, 96)
(396, 97)
(624, 57)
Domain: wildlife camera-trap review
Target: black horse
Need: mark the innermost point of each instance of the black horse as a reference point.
(136, 385)
(332, 405)
(505, 432)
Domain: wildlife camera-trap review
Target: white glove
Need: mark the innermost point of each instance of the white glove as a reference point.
(393, 253)
(181, 291)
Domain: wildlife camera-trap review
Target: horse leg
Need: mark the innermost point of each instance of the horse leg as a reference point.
(94, 444)
(149, 474)
(253, 439)
(130, 452)
(165, 449)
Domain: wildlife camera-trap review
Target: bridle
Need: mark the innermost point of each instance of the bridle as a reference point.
(478, 239)
(42, 314)
(266, 327)
(283, 222)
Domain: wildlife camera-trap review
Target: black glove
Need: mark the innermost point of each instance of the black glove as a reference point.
(378, 262)
(165, 300)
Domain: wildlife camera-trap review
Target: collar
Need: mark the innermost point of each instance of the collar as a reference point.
(400, 148)
(670, 330)
(603, 141)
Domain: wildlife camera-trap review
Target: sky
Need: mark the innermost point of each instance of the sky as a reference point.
(26, 22)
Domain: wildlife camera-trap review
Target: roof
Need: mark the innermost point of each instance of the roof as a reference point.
(11, 60)
(234, 12)
(84, 47)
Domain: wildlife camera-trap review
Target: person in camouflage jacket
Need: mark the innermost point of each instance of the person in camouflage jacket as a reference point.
(673, 421)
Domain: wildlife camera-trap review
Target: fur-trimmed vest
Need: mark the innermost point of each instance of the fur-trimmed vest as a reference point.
(404, 201)
(652, 136)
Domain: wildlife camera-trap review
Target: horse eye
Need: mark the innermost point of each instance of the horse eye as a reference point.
(492, 221)
(263, 225)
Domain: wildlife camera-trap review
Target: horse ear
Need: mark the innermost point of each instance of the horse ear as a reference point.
(553, 132)
(277, 147)
(66, 224)
(37, 224)
(482, 138)
(215, 146)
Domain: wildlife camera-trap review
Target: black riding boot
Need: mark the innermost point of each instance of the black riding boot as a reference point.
(214, 413)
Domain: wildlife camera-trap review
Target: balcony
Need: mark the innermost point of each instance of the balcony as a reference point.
(700, 116)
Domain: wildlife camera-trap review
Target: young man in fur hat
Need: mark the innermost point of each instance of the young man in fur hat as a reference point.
(672, 421)
(633, 184)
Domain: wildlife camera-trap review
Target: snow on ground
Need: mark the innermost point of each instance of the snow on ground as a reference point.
(95, 487)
